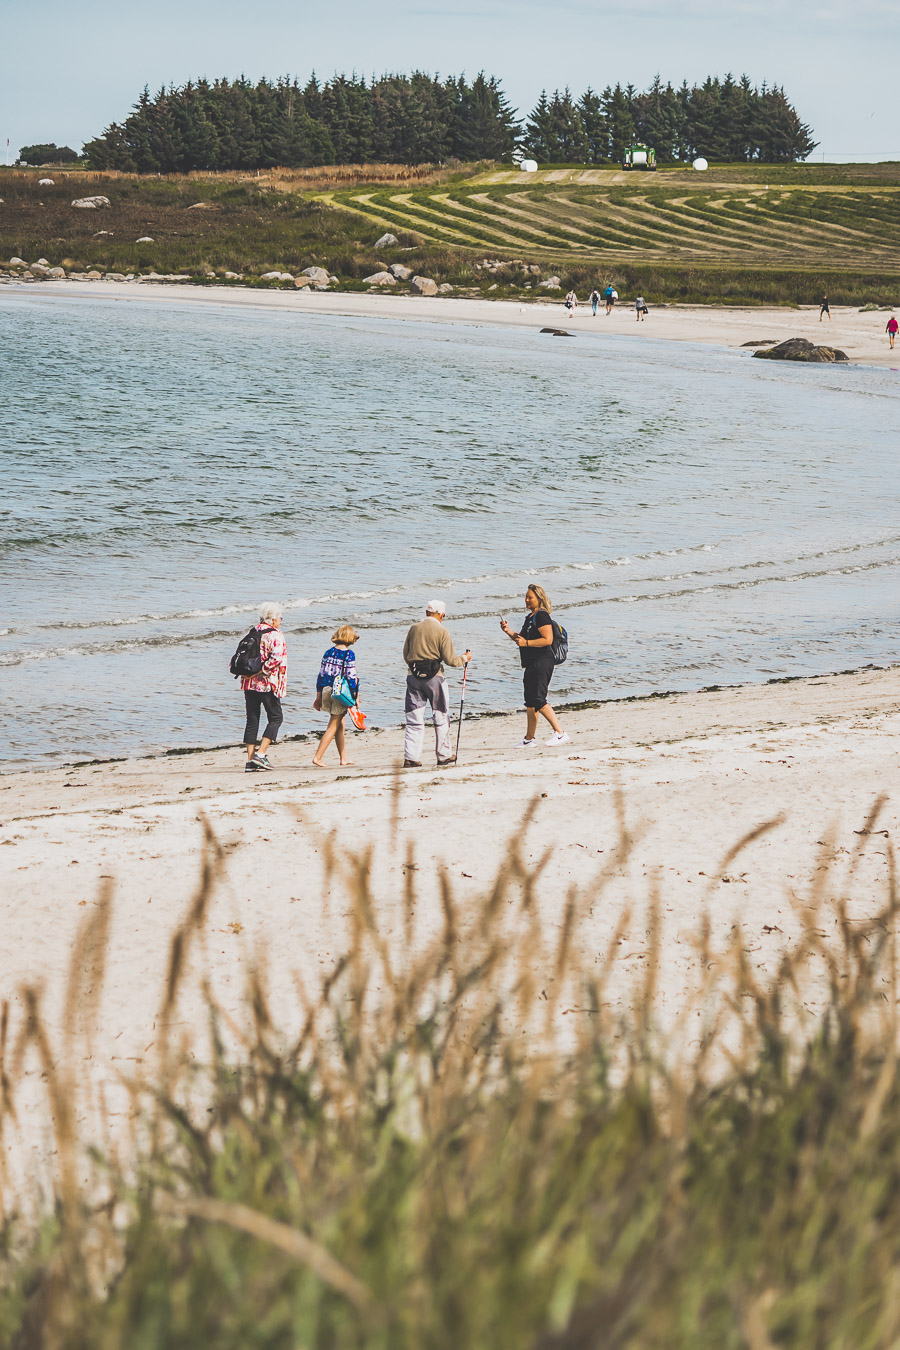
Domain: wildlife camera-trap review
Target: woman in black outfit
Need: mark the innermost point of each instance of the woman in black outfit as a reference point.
(535, 643)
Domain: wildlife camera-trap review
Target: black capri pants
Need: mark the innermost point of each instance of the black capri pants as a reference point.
(256, 701)
(536, 678)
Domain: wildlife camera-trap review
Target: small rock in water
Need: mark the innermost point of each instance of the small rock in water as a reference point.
(799, 349)
(557, 332)
(758, 342)
(387, 241)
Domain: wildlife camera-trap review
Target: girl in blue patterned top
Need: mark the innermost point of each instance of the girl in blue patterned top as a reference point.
(338, 660)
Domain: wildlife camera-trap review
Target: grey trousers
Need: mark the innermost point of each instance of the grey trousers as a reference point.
(419, 695)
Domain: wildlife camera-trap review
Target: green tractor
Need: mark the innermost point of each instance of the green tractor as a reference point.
(639, 156)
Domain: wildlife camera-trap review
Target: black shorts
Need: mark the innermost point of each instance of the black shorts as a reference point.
(537, 682)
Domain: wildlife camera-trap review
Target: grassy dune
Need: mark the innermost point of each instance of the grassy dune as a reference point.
(463, 1145)
(726, 237)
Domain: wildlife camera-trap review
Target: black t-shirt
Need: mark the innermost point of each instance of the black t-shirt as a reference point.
(531, 630)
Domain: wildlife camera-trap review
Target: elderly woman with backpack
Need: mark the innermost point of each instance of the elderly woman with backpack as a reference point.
(536, 640)
(261, 663)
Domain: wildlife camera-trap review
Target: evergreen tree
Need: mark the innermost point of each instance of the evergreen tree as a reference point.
(620, 120)
(419, 118)
(594, 127)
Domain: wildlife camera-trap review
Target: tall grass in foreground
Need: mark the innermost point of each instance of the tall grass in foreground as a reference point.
(463, 1146)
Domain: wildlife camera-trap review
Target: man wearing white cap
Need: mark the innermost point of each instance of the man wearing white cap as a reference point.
(427, 649)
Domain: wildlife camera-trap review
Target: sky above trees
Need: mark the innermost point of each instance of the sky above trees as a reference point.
(834, 59)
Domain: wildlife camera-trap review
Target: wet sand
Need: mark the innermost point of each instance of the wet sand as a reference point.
(861, 336)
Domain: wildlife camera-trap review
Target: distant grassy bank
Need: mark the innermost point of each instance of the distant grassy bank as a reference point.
(674, 236)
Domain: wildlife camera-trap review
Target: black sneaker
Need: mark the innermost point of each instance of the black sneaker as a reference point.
(250, 767)
(443, 763)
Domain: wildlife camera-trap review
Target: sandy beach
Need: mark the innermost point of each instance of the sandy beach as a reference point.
(861, 336)
(695, 772)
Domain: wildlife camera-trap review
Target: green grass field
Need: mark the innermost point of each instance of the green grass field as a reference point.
(739, 234)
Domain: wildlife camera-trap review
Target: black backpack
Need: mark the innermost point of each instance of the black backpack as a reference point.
(560, 648)
(247, 660)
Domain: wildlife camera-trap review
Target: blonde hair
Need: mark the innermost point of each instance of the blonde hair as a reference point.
(540, 595)
(345, 635)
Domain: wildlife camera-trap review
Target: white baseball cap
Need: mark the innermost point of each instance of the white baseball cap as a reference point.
(436, 607)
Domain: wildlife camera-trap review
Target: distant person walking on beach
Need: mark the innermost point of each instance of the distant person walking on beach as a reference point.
(571, 302)
(610, 295)
(266, 687)
(535, 643)
(640, 309)
(337, 677)
(824, 309)
(891, 329)
(428, 647)
(595, 301)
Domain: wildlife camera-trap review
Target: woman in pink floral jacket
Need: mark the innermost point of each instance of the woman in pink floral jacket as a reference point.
(265, 690)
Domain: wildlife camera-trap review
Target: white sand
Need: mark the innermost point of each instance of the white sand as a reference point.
(697, 772)
(861, 336)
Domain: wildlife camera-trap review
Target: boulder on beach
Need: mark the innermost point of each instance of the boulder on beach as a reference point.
(387, 241)
(445, 288)
(380, 279)
(113, 276)
(38, 269)
(423, 286)
(91, 203)
(799, 349)
(145, 239)
(557, 332)
(56, 273)
(235, 276)
(299, 282)
(93, 275)
(400, 272)
(277, 276)
(317, 275)
(551, 284)
(17, 262)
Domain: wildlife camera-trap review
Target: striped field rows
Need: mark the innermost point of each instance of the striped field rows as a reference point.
(638, 219)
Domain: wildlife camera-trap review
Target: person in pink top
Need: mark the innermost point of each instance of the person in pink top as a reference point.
(891, 329)
(265, 690)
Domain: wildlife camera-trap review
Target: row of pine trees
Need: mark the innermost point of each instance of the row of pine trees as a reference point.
(421, 119)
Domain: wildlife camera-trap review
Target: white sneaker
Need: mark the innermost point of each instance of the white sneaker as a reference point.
(558, 738)
(520, 745)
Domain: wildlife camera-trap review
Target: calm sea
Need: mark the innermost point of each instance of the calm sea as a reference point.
(696, 516)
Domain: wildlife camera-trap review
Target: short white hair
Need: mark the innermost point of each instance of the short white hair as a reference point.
(436, 607)
(269, 612)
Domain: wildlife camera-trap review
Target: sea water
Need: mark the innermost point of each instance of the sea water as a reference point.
(696, 516)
